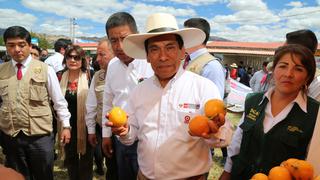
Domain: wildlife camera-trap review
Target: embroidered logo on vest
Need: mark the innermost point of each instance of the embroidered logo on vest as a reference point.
(253, 114)
(37, 70)
(294, 129)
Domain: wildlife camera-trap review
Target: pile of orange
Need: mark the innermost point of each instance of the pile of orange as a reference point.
(212, 108)
(291, 169)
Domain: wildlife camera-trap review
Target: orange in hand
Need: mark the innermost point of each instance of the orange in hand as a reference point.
(199, 125)
(117, 116)
(213, 107)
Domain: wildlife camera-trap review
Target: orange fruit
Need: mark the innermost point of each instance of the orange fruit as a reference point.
(279, 173)
(259, 176)
(118, 116)
(213, 107)
(299, 169)
(317, 177)
(303, 170)
(199, 125)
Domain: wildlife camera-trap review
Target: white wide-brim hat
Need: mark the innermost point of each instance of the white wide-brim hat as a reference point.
(160, 24)
(234, 65)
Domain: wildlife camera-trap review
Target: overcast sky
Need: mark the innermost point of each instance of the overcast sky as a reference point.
(238, 20)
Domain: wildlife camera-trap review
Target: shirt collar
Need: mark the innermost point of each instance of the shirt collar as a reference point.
(197, 53)
(24, 63)
(301, 99)
(171, 82)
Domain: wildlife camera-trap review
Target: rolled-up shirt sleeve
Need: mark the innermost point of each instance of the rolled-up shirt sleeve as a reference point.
(234, 147)
(60, 105)
(91, 107)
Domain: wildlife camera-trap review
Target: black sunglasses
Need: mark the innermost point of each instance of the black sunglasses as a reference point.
(75, 57)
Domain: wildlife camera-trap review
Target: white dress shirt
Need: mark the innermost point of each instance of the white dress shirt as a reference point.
(91, 107)
(268, 122)
(55, 61)
(159, 118)
(314, 88)
(60, 104)
(121, 79)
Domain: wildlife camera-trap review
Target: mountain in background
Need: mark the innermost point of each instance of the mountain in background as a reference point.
(52, 38)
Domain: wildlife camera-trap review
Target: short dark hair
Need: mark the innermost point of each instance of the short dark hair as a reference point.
(121, 19)
(17, 31)
(61, 43)
(306, 57)
(80, 52)
(199, 23)
(178, 38)
(304, 37)
(265, 63)
(33, 46)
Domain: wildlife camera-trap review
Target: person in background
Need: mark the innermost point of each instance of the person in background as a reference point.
(123, 75)
(267, 81)
(6, 58)
(55, 60)
(160, 120)
(234, 71)
(307, 38)
(26, 87)
(256, 80)
(94, 110)
(203, 63)
(44, 55)
(277, 124)
(74, 85)
(35, 52)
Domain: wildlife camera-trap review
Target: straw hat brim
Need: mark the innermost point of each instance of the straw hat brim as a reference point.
(133, 45)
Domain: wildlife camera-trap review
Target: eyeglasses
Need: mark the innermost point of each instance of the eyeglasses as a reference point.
(75, 57)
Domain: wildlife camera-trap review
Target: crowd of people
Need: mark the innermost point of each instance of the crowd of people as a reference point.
(161, 78)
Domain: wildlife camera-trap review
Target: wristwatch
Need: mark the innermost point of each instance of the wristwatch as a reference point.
(67, 127)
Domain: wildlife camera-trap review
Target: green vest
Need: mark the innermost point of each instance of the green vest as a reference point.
(25, 104)
(98, 89)
(259, 152)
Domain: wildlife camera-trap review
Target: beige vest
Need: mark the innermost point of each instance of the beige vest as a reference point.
(25, 104)
(197, 65)
(98, 89)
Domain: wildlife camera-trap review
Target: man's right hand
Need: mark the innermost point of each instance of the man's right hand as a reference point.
(92, 138)
(107, 146)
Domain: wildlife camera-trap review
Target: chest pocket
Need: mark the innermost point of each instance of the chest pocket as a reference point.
(184, 116)
(38, 90)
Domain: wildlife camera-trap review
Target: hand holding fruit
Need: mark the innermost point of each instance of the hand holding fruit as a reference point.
(214, 118)
(117, 121)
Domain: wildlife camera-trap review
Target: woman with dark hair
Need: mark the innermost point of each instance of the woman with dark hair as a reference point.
(74, 85)
(278, 124)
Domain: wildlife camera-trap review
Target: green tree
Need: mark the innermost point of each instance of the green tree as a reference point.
(1, 41)
(43, 42)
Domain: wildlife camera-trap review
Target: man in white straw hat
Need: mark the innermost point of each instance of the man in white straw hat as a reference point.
(123, 75)
(159, 109)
